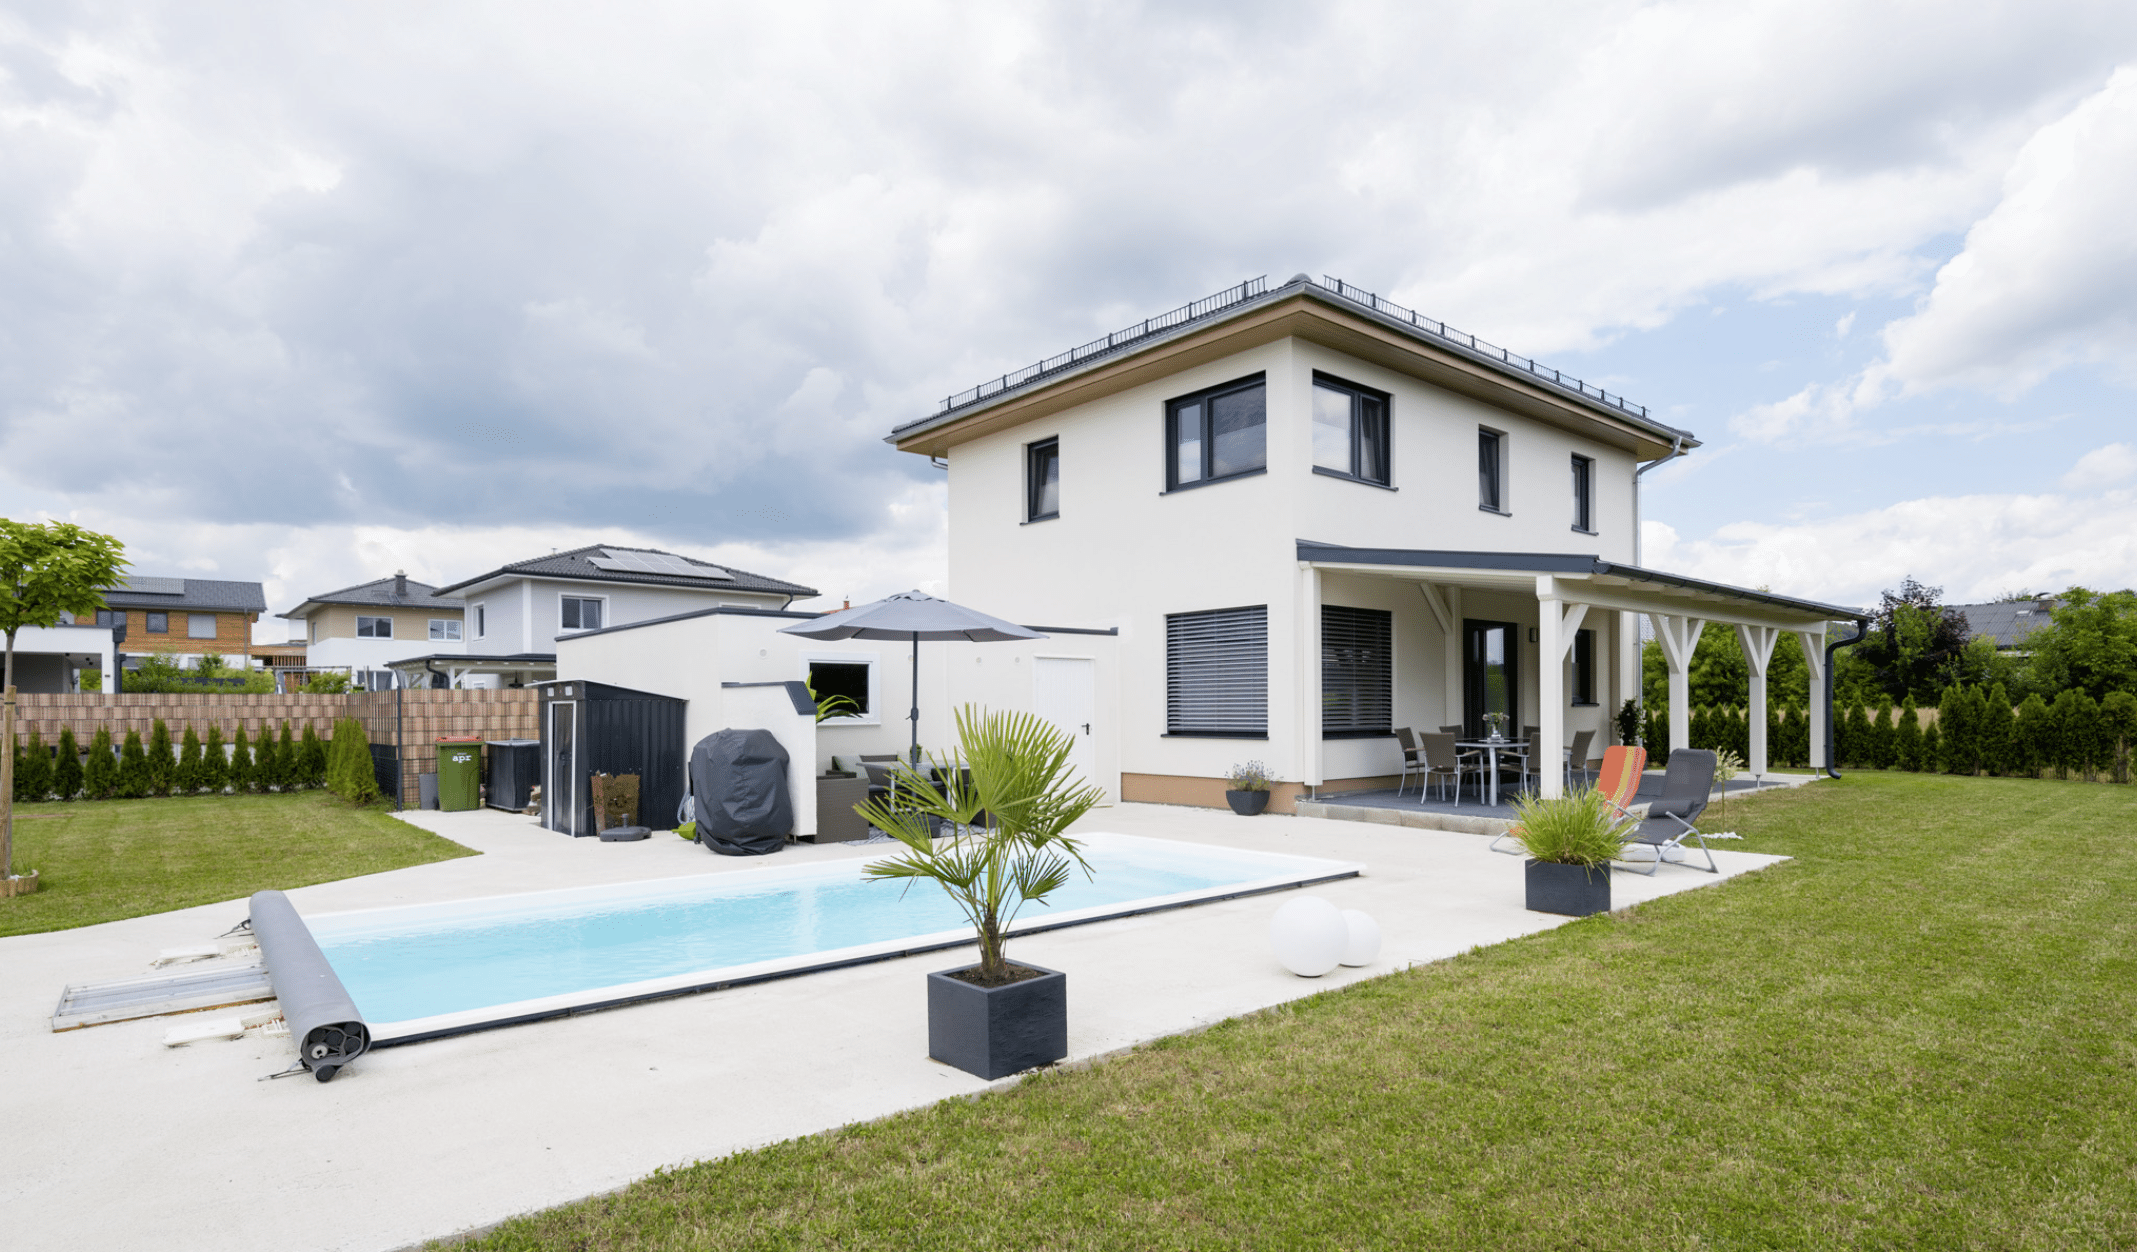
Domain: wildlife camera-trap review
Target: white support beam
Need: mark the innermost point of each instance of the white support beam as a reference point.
(1437, 602)
(1813, 642)
(1308, 721)
(1455, 711)
(1551, 618)
(1757, 643)
(1679, 637)
(1575, 614)
(1594, 592)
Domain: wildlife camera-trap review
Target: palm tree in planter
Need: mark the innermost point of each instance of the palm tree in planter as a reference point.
(1571, 841)
(1005, 809)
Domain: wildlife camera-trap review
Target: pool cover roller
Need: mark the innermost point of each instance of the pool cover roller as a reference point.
(322, 1018)
(738, 779)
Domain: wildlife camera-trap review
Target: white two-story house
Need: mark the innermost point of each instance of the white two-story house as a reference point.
(513, 616)
(1313, 517)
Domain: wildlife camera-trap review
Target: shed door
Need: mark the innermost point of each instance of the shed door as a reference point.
(560, 774)
(1064, 692)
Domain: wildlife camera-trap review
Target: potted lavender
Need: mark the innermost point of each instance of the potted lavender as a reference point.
(1248, 793)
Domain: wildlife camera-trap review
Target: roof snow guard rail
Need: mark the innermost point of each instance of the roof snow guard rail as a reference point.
(1118, 339)
(1462, 339)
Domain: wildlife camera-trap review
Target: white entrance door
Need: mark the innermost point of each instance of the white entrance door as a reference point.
(1064, 692)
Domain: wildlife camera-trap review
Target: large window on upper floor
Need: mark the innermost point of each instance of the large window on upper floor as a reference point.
(1217, 673)
(580, 612)
(374, 628)
(1583, 494)
(1217, 434)
(1350, 430)
(1042, 480)
(1491, 470)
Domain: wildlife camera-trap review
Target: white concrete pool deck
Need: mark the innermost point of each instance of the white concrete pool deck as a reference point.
(114, 1140)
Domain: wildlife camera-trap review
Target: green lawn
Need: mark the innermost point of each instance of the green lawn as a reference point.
(1918, 1034)
(103, 860)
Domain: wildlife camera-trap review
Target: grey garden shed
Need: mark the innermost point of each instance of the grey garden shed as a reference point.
(594, 728)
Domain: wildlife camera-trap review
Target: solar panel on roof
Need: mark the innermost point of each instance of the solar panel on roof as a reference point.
(654, 563)
(152, 586)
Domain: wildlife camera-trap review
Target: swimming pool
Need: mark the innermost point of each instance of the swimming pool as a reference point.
(424, 971)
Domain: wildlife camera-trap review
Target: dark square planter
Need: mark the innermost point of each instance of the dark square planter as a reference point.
(996, 1031)
(1574, 890)
(1247, 803)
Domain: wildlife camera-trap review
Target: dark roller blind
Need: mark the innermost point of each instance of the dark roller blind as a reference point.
(1357, 671)
(1217, 672)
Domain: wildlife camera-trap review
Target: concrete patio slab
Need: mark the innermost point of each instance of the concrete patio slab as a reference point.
(115, 1140)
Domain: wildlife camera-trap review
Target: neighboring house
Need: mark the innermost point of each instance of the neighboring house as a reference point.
(183, 618)
(1314, 517)
(2008, 622)
(515, 614)
(365, 628)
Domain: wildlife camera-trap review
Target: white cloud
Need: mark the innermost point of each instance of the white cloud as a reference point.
(2049, 277)
(1976, 546)
(2103, 467)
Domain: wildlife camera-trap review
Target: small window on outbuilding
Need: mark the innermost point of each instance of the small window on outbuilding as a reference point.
(842, 678)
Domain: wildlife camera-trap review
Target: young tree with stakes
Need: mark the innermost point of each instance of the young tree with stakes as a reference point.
(47, 571)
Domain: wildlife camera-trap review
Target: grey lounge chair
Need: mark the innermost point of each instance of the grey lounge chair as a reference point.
(1445, 762)
(1671, 815)
(1413, 759)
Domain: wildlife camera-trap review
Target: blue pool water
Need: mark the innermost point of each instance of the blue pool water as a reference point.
(402, 964)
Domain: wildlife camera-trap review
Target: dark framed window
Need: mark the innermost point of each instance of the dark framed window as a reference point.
(841, 678)
(1350, 430)
(580, 613)
(158, 623)
(1357, 672)
(1584, 667)
(1042, 480)
(1491, 470)
(1217, 673)
(1583, 493)
(1217, 434)
(111, 617)
(374, 628)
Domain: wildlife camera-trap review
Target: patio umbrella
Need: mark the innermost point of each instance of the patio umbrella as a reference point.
(915, 616)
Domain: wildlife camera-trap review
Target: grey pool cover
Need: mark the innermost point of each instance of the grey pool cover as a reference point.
(739, 780)
(329, 1031)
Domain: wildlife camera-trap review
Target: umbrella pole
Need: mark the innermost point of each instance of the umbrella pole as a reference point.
(915, 714)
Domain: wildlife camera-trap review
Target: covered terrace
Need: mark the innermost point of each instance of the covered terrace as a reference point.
(1507, 625)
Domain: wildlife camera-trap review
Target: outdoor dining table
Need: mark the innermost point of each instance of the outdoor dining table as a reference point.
(1490, 748)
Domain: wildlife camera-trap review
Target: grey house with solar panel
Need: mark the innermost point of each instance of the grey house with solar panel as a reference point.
(513, 615)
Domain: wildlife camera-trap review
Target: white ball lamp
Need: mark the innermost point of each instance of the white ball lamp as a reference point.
(1362, 944)
(1309, 935)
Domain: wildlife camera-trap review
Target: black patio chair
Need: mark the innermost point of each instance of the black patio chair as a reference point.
(1672, 816)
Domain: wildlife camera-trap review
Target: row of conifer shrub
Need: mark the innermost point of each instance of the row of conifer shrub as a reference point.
(1976, 730)
(130, 769)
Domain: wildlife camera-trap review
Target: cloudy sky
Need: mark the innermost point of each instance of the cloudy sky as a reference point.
(309, 293)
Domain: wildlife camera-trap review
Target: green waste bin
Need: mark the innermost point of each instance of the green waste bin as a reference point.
(459, 774)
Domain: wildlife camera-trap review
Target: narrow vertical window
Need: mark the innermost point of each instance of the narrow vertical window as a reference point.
(1219, 433)
(1583, 667)
(1350, 430)
(1042, 485)
(1357, 672)
(1490, 471)
(1583, 494)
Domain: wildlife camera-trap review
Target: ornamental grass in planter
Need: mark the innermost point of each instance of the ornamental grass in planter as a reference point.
(1004, 808)
(1571, 841)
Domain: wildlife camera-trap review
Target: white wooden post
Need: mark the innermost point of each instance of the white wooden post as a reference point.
(1813, 642)
(1630, 679)
(1311, 763)
(1457, 701)
(1757, 642)
(1680, 637)
(1550, 687)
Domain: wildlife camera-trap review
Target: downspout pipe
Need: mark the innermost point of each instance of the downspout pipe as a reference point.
(1676, 450)
(1832, 724)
